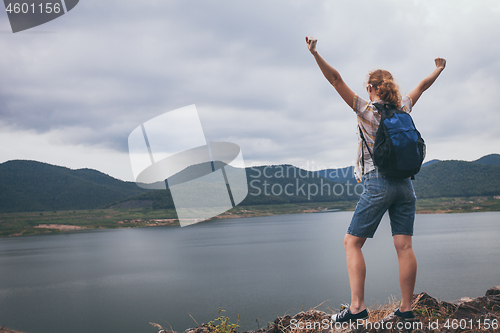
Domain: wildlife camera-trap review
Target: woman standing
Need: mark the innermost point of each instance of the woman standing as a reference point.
(381, 193)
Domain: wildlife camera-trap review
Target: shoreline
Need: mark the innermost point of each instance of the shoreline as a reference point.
(38, 223)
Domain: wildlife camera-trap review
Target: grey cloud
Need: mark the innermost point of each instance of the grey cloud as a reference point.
(115, 64)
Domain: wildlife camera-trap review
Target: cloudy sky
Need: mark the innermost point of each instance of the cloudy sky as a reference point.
(72, 90)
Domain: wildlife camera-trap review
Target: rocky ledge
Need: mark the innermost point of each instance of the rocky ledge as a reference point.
(481, 314)
(6, 330)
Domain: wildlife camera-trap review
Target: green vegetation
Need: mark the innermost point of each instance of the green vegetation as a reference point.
(298, 208)
(457, 179)
(29, 186)
(37, 198)
(458, 205)
(34, 186)
(27, 223)
(492, 159)
(219, 325)
(275, 184)
(222, 324)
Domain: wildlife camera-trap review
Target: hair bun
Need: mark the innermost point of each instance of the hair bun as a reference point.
(384, 85)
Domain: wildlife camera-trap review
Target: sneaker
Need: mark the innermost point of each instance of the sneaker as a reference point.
(346, 315)
(407, 315)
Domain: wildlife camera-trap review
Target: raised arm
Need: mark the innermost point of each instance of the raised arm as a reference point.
(428, 81)
(331, 74)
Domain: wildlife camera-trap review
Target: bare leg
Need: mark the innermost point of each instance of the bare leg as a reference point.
(407, 269)
(357, 271)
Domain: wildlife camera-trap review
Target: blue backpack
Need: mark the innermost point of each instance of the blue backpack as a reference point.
(399, 149)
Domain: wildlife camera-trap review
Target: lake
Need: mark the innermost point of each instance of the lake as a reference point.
(259, 268)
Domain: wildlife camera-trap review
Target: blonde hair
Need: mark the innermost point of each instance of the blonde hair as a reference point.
(385, 87)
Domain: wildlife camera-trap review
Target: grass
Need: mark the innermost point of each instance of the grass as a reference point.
(220, 325)
(439, 311)
(25, 224)
(431, 315)
(299, 208)
(458, 205)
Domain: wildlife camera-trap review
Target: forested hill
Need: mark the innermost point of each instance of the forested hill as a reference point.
(343, 175)
(36, 186)
(281, 184)
(445, 178)
(457, 179)
(492, 159)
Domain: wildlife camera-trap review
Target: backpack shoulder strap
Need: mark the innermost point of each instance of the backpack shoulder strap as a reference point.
(386, 110)
(364, 140)
(363, 151)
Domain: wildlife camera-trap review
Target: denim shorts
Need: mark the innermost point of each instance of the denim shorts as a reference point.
(381, 194)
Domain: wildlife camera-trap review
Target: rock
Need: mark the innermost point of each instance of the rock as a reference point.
(464, 300)
(199, 329)
(6, 330)
(426, 301)
(466, 311)
(280, 324)
(478, 306)
(493, 291)
(426, 308)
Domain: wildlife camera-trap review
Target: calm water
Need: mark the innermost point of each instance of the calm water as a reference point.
(260, 268)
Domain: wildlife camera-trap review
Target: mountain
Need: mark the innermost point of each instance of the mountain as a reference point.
(457, 179)
(492, 159)
(444, 178)
(341, 175)
(36, 186)
(289, 184)
(431, 162)
(269, 184)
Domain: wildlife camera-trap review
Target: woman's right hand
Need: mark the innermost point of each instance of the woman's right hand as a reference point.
(311, 44)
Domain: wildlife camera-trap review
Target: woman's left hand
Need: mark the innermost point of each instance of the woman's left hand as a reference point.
(440, 63)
